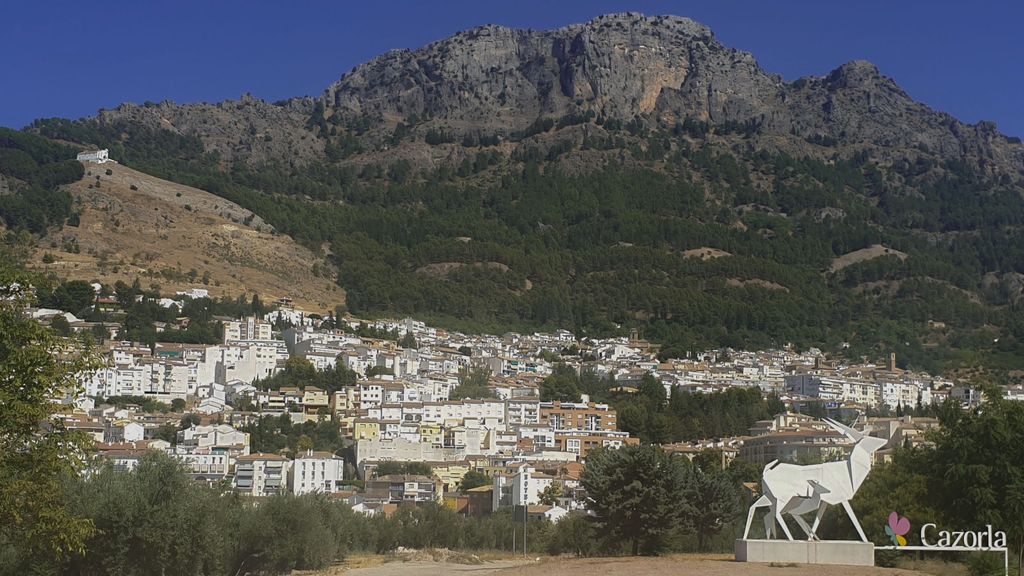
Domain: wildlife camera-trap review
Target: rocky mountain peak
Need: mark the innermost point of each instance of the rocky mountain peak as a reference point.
(659, 70)
(502, 79)
(856, 73)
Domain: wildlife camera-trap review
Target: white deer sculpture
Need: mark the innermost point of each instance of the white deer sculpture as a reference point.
(796, 490)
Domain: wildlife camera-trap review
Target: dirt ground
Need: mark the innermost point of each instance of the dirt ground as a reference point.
(661, 566)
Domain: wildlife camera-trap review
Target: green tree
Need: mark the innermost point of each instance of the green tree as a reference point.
(190, 420)
(550, 495)
(75, 296)
(709, 460)
(391, 467)
(717, 501)
(152, 520)
(1015, 517)
(575, 534)
(473, 383)
(637, 495)
(36, 524)
(408, 341)
(374, 371)
(975, 469)
(289, 533)
(60, 325)
(474, 479)
(562, 385)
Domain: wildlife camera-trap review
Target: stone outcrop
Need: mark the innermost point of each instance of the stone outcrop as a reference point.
(246, 129)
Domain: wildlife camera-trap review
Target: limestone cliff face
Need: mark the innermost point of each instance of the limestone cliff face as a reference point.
(659, 69)
(618, 66)
(663, 68)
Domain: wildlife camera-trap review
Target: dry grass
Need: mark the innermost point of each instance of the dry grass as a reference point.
(162, 226)
(864, 254)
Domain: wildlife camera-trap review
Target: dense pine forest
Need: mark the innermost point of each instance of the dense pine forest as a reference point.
(530, 239)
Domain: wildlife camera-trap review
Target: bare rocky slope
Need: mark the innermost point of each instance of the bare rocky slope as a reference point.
(133, 225)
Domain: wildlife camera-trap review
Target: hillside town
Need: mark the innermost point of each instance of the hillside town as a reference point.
(400, 409)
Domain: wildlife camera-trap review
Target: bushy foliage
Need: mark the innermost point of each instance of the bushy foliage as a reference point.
(652, 417)
(277, 433)
(562, 385)
(412, 468)
(37, 452)
(155, 520)
(643, 497)
(299, 373)
(41, 166)
(474, 384)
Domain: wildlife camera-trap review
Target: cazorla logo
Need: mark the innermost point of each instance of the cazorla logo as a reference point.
(897, 529)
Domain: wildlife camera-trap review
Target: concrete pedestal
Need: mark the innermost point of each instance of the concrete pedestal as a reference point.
(803, 552)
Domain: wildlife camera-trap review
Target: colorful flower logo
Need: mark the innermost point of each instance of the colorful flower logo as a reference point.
(897, 528)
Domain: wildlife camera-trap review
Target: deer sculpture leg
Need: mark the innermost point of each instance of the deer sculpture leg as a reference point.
(762, 502)
(853, 518)
(782, 522)
(802, 524)
(817, 519)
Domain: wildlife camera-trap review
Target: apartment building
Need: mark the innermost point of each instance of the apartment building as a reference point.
(578, 416)
(399, 488)
(250, 328)
(261, 474)
(317, 472)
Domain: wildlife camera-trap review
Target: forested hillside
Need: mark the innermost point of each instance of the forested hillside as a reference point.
(877, 225)
(31, 170)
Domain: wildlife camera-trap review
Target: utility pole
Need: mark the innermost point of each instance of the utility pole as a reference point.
(526, 517)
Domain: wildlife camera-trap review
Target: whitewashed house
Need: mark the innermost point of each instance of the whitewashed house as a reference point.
(96, 156)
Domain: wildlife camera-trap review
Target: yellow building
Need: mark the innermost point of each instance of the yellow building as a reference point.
(431, 434)
(345, 400)
(449, 473)
(366, 429)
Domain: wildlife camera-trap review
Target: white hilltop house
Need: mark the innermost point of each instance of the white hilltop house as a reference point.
(97, 156)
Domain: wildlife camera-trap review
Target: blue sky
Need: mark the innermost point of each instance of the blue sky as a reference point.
(69, 59)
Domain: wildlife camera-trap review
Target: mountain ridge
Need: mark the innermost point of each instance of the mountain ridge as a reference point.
(493, 80)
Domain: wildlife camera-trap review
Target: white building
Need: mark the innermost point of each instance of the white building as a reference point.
(161, 379)
(316, 472)
(208, 462)
(194, 293)
(123, 431)
(215, 436)
(521, 485)
(249, 362)
(815, 386)
(894, 394)
(97, 156)
(261, 474)
(250, 328)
